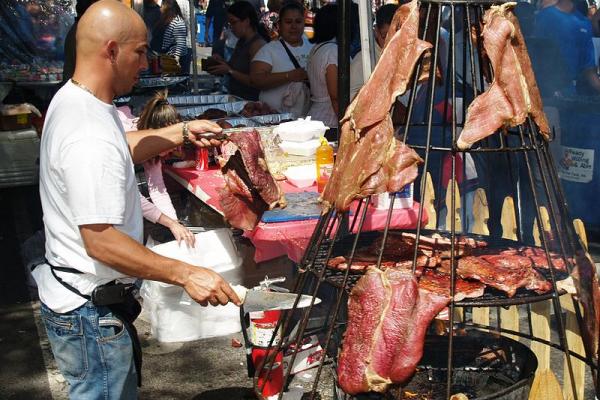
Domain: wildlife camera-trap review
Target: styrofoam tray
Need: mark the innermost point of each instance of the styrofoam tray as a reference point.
(198, 100)
(241, 121)
(232, 109)
(161, 81)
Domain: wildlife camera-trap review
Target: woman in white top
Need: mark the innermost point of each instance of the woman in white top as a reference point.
(272, 69)
(323, 67)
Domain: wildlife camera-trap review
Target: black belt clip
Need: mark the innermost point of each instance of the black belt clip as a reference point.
(112, 293)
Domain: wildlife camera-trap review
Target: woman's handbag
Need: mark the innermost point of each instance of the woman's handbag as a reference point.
(296, 99)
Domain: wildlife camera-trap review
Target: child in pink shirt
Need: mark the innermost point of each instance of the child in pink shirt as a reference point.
(158, 113)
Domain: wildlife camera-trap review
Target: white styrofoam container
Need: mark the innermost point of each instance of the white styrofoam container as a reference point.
(306, 149)
(174, 320)
(301, 175)
(300, 130)
(404, 199)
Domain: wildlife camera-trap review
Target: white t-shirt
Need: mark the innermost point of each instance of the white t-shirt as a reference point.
(275, 55)
(86, 177)
(321, 56)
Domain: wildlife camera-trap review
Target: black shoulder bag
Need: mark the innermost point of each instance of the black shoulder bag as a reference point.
(292, 58)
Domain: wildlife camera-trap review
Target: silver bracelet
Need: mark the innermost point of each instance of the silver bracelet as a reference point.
(186, 134)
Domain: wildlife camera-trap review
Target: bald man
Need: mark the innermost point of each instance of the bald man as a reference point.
(92, 212)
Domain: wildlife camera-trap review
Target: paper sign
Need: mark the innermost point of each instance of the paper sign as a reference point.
(576, 165)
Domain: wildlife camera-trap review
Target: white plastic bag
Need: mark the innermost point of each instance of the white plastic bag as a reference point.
(173, 316)
(296, 99)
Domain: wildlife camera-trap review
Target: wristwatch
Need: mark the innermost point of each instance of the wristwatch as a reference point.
(186, 134)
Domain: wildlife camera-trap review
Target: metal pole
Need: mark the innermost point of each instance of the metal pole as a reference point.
(193, 42)
(365, 20)
(344, 7)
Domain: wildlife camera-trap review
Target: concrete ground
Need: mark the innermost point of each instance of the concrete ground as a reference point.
(208, 369)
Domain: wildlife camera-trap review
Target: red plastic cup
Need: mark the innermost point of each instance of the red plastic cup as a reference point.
(202, 159)
(271, 383)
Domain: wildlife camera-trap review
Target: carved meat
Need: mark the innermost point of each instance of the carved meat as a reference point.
(401, 244)
(410, 348)
(249, 189)
(525, 256)
(366, 310)
(371, 164)
(362, 263)
(212, 113)
(536, 108)
(388, 315)
(513, 95)
(507, 277)
(370, 160)
(437, 282)
(241, 206)
(393, 71)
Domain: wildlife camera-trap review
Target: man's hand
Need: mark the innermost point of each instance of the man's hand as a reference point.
(208, 287)
(200, 133)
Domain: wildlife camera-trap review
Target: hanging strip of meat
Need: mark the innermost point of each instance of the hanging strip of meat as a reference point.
(249, 189)
(586, 282)
(388, 315)
(536, 108)
(370, 160)
(514, 94)
(393, 71)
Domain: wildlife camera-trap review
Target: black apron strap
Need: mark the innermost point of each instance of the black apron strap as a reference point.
(54, 268)
(127, 312)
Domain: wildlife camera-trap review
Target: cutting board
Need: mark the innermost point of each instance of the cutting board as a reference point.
(300, 206)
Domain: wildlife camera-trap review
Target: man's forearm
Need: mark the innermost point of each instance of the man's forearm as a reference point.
(110, 246)
(151, 142)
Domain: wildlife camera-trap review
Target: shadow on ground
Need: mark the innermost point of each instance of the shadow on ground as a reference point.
(233, 393)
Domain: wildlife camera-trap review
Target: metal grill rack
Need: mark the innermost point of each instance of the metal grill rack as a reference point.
(516, 163)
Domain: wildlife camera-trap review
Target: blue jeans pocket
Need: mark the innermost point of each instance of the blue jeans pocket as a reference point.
(110, 328)
(65, 332)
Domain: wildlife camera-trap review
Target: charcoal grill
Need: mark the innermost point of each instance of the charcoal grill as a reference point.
(515, 163)
(487, 367)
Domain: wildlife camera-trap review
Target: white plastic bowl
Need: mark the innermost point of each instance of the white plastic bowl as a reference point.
(302, 175)
(300, 130)
(306, 149)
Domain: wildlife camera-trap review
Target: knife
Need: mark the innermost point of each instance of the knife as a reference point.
(224, 134)
(263, 300)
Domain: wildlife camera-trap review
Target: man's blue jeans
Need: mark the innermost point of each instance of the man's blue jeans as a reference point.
(93, 351)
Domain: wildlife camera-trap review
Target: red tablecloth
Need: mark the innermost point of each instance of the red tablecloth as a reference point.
(291, 238)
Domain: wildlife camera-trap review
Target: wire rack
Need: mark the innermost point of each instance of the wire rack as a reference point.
(515, 162)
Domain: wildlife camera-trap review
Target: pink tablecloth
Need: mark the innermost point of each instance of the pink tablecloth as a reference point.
(291, 238)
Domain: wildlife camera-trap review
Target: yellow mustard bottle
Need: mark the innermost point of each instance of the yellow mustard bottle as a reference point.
(324, 161)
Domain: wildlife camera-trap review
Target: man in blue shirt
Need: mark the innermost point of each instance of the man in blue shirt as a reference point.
(572, 32)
